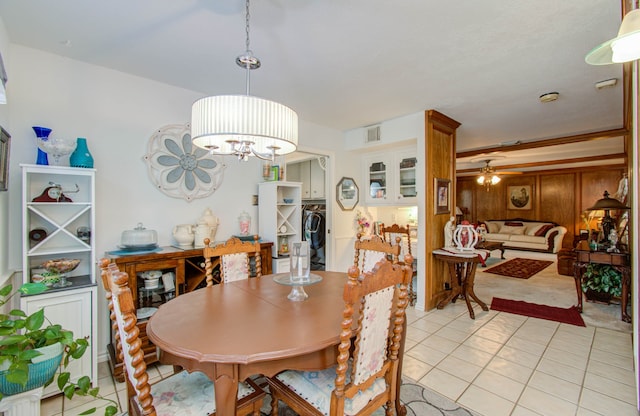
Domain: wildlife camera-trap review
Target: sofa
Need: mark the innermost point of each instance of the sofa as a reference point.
(522, 234)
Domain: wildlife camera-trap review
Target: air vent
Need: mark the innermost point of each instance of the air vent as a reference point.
(373, 134)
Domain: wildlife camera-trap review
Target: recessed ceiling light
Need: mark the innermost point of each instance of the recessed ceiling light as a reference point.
(548, 97)
(606, 83)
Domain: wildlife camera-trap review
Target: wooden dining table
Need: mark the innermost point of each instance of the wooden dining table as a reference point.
(234, 330)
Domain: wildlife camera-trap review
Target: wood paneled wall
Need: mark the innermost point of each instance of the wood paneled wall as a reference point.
(560, 196)
(440, 155)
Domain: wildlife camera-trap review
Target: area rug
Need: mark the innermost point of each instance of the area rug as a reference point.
(418, 400)
(551, 313)
(519, 268)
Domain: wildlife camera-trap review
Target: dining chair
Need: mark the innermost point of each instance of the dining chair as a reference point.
(182, 393)
(366, 375)
(369, 251)
(233, 258)
(392, 232)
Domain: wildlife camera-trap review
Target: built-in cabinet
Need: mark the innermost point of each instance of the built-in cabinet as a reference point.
(280, 219)
(311, 175)
(390, 178)
(58, 222)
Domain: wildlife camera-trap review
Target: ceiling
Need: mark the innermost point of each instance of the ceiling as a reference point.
(348, 64)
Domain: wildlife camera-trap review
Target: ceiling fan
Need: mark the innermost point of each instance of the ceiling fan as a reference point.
(489, 176)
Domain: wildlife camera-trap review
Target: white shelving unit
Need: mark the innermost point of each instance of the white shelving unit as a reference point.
(74, 307)
(280, 221)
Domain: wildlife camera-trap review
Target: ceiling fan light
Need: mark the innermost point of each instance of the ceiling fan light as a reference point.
(626, 48)
(495, 179)
(614, 50)
(480, 180)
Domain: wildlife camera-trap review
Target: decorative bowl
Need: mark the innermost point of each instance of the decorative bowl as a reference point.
(60, 266)
(288, 200)
(56, 147)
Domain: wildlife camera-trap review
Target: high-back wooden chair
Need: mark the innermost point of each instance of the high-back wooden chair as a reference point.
(182, 393)
(366, 376)
(233, 258)
(370, 251)
(391, 233)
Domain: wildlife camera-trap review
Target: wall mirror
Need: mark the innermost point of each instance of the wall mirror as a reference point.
(347, 194)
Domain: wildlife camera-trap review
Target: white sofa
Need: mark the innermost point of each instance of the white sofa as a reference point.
(520, 234)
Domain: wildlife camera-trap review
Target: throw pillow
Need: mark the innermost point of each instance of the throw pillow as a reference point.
(492, 227)
(514, 224)
(507, 229)
(542, 231)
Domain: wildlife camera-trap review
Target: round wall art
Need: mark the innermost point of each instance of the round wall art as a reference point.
(180, 169)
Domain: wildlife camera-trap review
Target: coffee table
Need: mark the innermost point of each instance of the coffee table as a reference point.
(491, 245)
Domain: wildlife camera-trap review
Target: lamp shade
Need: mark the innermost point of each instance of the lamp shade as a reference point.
(623, 48)
(607, 203)
(219, 122)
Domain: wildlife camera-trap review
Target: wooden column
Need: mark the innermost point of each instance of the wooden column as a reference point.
(440, 163)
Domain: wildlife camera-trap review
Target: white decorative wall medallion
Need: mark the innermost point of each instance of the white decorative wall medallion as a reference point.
(180, 169)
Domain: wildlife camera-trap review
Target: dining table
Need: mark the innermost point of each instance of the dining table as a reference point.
(238, 329)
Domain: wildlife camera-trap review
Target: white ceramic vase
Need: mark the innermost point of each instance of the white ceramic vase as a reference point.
(183, 234)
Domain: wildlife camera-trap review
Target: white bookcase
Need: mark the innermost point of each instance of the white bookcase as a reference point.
(75, 306)
(280, 221)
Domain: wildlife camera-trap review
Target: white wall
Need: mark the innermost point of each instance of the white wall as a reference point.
(5, 271)
(117, 113)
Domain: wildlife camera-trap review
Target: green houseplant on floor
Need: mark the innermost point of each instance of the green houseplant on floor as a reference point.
(31, 352)
(601, 282)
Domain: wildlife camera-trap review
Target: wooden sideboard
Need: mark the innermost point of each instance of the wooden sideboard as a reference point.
(188, 268)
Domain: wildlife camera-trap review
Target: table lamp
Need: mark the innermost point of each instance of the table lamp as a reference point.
(606, 204)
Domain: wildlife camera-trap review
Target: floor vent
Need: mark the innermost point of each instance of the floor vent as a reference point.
(373, 134)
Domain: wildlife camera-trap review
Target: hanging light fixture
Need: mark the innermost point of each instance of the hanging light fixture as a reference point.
(487, 177)
(243, 125)
(623, 48)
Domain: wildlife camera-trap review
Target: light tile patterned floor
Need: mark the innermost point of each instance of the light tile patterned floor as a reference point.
(499, 364)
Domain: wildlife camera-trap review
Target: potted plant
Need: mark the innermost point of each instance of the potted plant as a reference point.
(601, 282)
(31, 352)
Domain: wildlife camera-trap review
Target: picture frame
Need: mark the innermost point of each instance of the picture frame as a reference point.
(519, 197)
(347, 194)
(442, 195)
(5, 141)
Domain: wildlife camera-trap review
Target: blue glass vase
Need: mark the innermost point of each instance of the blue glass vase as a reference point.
(81, 158)
(42, 133)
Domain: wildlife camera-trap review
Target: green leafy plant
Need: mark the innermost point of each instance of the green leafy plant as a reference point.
(602, 278)
(22, 334)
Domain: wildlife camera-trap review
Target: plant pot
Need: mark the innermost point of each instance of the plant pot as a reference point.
(598, 297)
(41, 370)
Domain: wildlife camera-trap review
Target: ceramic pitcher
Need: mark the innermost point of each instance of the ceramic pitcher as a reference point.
(202, 231)
(183, 234)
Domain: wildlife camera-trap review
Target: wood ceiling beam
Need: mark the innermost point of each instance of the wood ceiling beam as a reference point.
(585, 137)
(549, 163)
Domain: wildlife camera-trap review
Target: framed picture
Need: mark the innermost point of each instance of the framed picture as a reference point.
(519, 197)
(442, 196)
(5, 139)
(347, 194)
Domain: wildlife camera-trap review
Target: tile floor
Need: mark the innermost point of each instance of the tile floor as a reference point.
(498, 364)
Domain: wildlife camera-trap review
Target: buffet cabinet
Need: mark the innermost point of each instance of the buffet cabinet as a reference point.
(58, 222)
(182, 271)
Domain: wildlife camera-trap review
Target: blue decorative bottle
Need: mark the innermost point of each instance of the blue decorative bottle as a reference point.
(42, 133)
(81, 158)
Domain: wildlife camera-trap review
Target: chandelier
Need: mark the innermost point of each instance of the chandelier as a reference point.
(623, 48)
(487, 176)
(243, 125)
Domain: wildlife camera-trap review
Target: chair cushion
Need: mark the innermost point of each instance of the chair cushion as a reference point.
(235, 267)
(371, 257)
(188, 394)
(316, 386)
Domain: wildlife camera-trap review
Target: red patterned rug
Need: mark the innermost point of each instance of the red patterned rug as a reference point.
(519, 268)
(551, 313)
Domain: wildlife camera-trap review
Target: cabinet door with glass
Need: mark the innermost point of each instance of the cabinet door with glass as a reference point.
(377, 179)
(405, 179)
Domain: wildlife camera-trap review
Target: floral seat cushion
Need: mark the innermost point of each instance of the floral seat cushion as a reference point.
(188, 394)
(316, 386)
